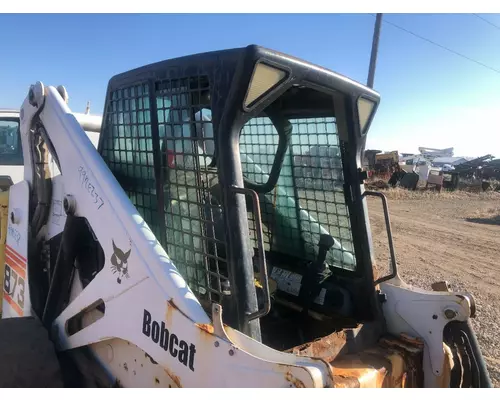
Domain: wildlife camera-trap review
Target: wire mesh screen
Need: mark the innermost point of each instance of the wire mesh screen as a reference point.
(308, 199)
(127, 148)
(193, 214)
(192, 230)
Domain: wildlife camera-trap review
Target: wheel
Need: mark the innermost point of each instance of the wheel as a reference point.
(27, 356)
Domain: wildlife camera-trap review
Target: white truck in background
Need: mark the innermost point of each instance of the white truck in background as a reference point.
(11, 154)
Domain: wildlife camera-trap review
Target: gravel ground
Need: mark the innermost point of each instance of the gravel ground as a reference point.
(454, 238)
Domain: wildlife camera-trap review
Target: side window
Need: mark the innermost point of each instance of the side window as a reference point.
(10, 143)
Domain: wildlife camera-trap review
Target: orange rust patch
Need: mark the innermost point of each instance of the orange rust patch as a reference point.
(402, 346)
(206, 327)
(341, 382)
(394, 363)
(367, 376)
(412, 340)
(174, 378)
(326, 348)
(172, 304)
(294, 381)
(168, 314)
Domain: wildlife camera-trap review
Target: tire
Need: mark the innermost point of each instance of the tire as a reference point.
(27, 356)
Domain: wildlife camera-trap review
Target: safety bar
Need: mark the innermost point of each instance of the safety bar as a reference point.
(385, 206)
(260, 244)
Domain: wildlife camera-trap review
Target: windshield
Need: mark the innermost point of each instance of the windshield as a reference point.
(10, 146)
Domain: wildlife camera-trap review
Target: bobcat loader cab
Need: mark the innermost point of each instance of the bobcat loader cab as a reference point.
(198, 249)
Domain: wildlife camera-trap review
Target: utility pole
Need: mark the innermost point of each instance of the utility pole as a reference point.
(373, 58)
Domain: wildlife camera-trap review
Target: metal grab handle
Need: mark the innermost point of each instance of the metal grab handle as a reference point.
(260, 246)
(394, 266)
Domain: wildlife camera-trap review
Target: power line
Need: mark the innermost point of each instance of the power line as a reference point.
(488, 22)
(385, 21)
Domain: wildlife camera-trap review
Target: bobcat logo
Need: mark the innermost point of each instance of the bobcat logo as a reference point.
(119, 263)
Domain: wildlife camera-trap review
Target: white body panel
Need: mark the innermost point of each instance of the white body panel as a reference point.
(421, 313)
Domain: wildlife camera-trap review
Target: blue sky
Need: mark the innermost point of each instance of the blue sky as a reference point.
(430, 97)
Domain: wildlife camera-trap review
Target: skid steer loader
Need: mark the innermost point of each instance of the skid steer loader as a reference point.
(196, 248)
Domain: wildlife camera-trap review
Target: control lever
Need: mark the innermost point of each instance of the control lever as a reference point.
(326, 242)
(316, 274)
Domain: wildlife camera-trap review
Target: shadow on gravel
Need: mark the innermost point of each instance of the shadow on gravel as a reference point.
(489, 221)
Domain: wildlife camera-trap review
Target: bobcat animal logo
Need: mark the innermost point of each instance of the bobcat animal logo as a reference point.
(119, 263)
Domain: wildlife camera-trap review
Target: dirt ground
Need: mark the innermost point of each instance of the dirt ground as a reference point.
(453, 237)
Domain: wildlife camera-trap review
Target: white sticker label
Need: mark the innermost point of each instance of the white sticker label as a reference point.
(290, 282)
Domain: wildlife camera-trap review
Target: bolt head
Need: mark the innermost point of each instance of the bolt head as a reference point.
(69, 204)
(15, 216)
(450, 314)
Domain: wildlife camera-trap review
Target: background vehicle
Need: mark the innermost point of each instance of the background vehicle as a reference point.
(184, 252)
(11, 154)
